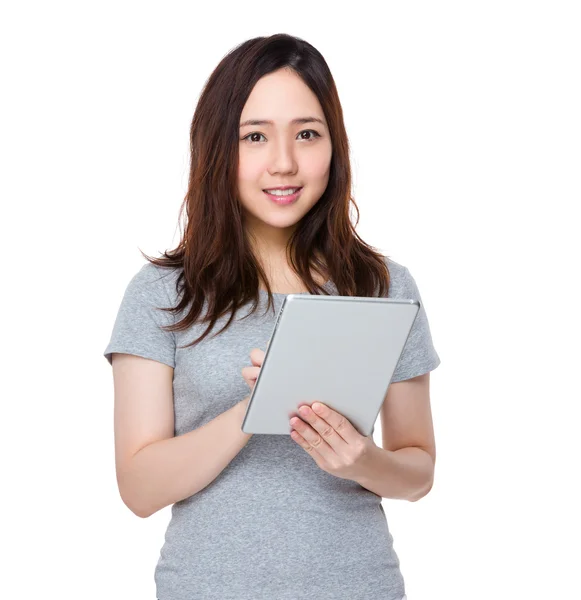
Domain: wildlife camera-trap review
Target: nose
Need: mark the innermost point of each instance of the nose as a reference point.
(283, 158)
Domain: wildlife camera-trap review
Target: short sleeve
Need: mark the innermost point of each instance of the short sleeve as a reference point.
(419, 355)
(137, 328)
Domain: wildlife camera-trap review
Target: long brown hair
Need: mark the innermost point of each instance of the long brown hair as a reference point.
(215, 258)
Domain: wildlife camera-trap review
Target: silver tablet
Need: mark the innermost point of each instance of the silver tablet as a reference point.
(339, 350)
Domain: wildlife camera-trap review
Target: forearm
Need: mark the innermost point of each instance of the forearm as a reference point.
(176, 468)
(404, 474)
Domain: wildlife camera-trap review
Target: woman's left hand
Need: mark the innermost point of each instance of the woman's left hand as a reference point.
(331, 439)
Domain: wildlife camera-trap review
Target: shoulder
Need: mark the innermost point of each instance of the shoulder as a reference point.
(154, 281)
(399, 278)
(396, 270)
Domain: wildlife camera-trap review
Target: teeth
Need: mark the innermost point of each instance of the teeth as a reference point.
(282, 192)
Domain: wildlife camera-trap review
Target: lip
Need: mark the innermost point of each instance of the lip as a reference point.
(283, 200)
(282, 187)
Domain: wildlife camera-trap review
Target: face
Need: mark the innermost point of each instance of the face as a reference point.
(281, 154)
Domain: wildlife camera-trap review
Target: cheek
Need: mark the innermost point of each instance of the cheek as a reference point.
(317, 179)
(249, 175)
(317, 168)
(251, 169)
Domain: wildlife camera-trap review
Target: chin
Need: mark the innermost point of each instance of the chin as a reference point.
(283, 222)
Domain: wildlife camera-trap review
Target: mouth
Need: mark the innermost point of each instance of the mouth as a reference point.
(281, 199)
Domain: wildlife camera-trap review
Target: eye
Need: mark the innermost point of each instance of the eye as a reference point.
(312, 139)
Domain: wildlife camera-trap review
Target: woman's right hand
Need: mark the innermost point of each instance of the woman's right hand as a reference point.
(250, 374)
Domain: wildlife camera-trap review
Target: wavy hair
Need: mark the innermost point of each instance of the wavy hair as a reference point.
(214, 255)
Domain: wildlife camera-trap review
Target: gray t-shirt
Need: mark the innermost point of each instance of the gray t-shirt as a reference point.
(272, 525)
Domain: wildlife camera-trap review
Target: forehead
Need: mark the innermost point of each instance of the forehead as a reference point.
(281, 99)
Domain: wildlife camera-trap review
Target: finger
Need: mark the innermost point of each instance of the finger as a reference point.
(321, 418)
(309, 440)
(257, 357)
(319, 434)
(250, 375)
(250, 372)
(302, 442)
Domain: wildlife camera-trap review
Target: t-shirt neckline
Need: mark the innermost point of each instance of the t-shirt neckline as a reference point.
(265, 293)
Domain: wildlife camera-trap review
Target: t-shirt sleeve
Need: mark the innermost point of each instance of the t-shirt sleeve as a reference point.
(419, 355)
(137, 329)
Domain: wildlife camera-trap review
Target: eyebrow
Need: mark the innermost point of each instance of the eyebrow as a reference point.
(299, 121)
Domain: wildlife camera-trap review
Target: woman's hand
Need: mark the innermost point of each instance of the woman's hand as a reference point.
(250, 374)
(331, 439)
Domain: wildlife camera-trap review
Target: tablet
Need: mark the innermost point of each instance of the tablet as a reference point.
(339, 350)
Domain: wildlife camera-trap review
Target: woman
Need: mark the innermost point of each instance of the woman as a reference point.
(257, 516)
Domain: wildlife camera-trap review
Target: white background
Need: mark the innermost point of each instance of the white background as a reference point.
(464, 123)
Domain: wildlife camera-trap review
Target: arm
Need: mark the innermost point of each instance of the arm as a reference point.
(404, 474)
(176, 468)
(404, 467)
(154, 468)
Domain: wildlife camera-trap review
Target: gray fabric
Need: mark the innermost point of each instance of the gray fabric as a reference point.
(272, 524)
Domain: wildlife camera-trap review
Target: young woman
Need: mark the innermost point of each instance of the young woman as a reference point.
(263, 516)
